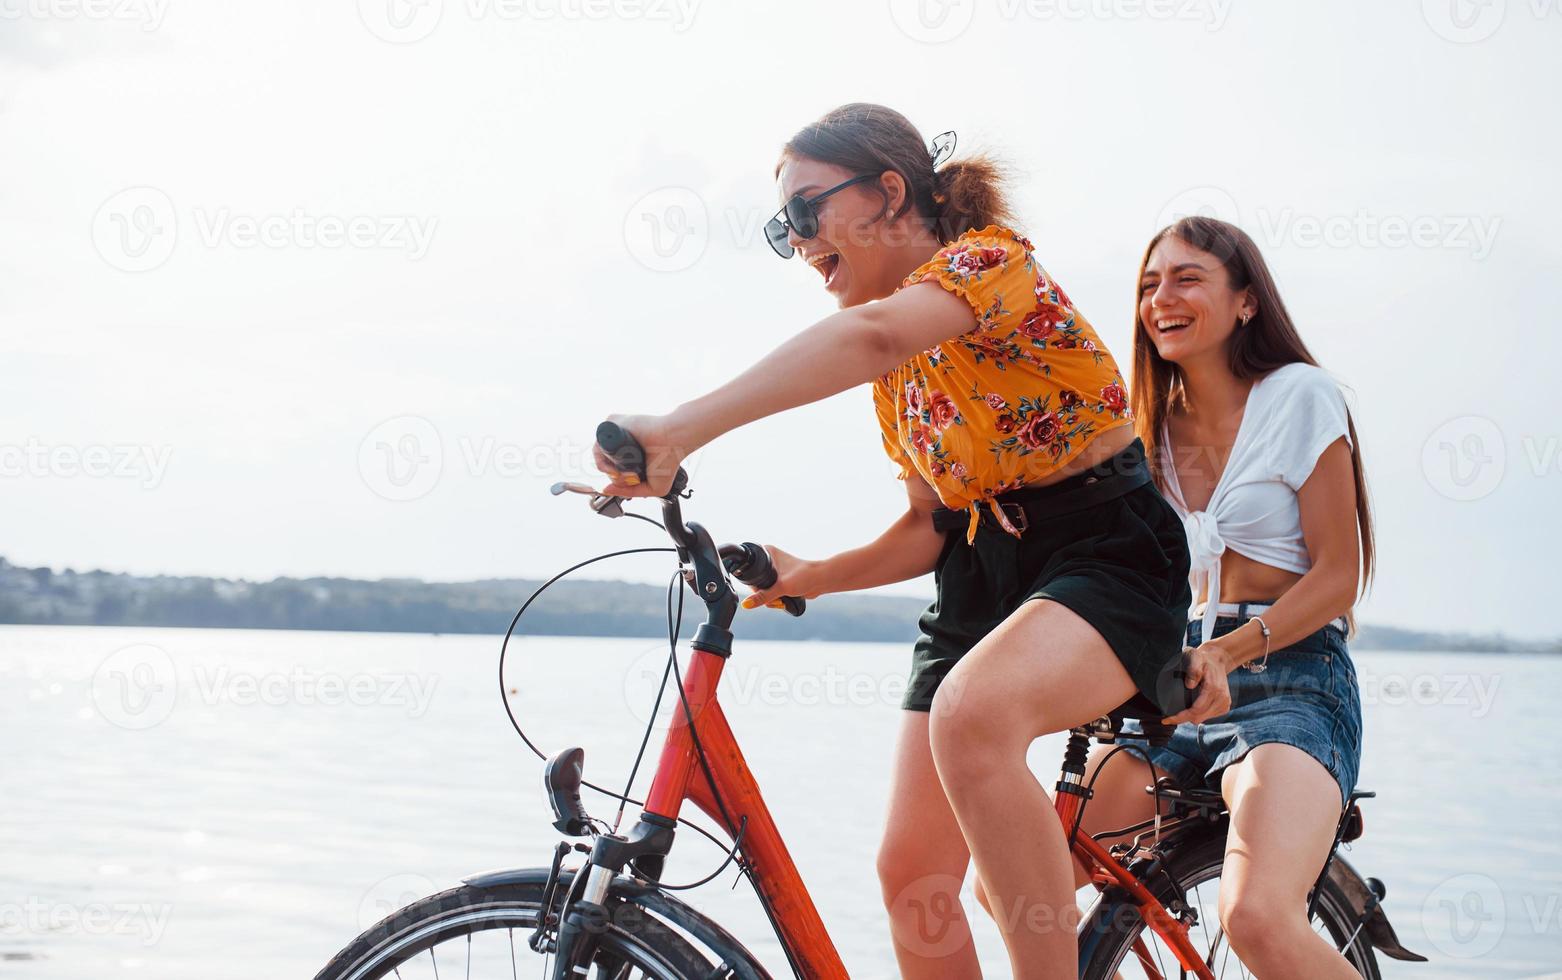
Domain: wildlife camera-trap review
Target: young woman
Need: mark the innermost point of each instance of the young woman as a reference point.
(1252, 443)
(996, 399)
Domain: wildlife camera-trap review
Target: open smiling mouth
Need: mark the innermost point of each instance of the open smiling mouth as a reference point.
(826, 265)
(1173, 324)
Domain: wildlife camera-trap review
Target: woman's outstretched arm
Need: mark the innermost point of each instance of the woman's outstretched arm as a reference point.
(841, 351)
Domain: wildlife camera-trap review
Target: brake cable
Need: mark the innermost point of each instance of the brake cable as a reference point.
(674, 624)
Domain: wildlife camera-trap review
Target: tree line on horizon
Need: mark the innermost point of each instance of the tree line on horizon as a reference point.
(582, 607)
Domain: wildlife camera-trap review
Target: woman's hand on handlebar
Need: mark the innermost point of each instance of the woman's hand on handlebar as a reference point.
(794, 577)
(663, 456)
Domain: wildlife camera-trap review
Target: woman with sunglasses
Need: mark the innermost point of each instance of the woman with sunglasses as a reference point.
(1008, 421)
(1252, 442)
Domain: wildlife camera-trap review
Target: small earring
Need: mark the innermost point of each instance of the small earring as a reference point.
(1246, 317)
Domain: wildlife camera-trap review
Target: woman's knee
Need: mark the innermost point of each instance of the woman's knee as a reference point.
(911, 862)
(1257, 921)
(973, 728)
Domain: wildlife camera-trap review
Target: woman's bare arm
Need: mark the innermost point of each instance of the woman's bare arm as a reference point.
(1328, 505)
(908, 549)
(841, 351)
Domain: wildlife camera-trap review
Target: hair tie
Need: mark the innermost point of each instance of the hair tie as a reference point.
(942, 148)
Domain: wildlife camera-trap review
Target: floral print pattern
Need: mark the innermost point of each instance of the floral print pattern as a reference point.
(1009, 401)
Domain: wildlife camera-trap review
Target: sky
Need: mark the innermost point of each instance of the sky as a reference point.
(341, 288)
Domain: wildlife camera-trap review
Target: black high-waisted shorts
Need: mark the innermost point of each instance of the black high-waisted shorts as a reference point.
(1121, 565)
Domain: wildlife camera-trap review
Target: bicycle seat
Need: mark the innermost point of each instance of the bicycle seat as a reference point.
(1139, 709)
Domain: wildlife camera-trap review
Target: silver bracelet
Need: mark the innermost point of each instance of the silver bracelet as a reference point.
(1258, 668)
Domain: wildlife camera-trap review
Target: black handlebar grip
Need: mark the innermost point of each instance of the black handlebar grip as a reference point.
(629, 456)
(760, 572)
(622, 448)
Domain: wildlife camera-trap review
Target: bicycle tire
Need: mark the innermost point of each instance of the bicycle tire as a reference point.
(1112, 926)
(639, 940)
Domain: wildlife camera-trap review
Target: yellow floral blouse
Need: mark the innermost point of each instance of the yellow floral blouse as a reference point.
(1011, 400)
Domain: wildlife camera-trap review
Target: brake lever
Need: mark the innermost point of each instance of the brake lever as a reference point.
(604, 504)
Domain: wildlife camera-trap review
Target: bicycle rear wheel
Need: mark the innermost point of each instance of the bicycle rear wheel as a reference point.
(1119, 942)
(483, 932)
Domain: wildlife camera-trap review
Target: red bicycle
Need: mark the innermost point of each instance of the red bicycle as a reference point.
(613, 917)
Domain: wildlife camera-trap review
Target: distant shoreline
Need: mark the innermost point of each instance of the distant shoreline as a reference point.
(1357, 645)
(578, 607)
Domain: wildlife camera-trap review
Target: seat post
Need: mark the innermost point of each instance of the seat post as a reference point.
(1074, 755)
(1071, 792)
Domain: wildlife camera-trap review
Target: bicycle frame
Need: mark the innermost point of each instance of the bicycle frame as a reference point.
(802, 932)
(702, 763)
(1105, 871)
(679, 777)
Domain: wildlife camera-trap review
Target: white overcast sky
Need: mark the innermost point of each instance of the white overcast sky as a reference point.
(255, 255)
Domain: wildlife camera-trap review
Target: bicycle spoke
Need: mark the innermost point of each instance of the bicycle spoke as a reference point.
(1214, 955)
(1160, 964)
(1142, 954)
(1203, 919)
(479, 927)
(1225, 960)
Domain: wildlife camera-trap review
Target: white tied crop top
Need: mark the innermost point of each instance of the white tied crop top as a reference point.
(1293, 414)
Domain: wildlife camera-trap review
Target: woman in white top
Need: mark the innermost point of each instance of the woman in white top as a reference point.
(1251, 442)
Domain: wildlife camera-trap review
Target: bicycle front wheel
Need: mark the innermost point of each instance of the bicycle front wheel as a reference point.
(1121, 944)
(483, 932)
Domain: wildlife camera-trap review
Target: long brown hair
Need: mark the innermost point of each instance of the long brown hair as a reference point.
(1268, 341)
(962, 194)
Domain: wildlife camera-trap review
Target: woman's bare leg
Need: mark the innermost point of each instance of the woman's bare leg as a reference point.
(922, 864)
(1043, 670)
(1119, 800)
(1284, 810)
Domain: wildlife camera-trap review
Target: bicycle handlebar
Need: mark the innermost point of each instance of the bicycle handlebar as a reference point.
(626, 451)
(748, 562)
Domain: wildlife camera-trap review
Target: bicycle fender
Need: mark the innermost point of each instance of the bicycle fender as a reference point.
(736, 959)
(1375, 923)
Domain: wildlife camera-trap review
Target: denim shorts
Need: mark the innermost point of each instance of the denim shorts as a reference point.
(1307, 696)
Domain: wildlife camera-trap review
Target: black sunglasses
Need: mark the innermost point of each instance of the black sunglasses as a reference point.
(799, 214)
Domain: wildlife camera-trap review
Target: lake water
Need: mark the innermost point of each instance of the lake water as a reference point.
(222, 803)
